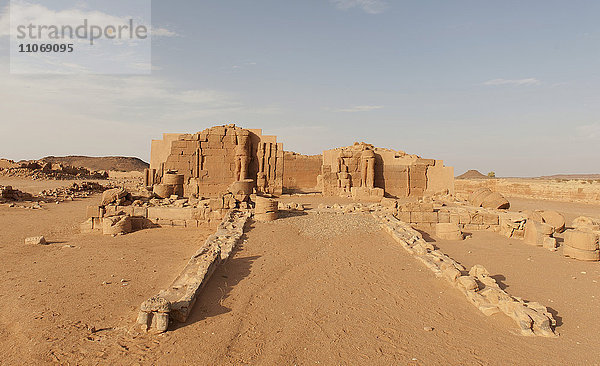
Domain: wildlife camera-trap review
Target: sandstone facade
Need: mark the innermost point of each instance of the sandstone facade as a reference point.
(211, 160)
(205, 164)
(363, 170)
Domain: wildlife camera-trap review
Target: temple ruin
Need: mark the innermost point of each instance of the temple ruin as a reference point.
(229, 175)
(208, 163)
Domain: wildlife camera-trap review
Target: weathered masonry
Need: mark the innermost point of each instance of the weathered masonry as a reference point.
(207, 163)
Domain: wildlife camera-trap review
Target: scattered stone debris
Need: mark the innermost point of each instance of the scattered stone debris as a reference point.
(291, 206)
(36, 240)
(117, 196)
(39, 169)
(484, 197)
(551, 218)
(75, 190)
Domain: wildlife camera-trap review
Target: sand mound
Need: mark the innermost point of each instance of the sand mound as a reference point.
(118, 163)
(472, 174)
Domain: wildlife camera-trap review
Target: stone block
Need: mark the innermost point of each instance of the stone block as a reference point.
(416, 217)
(116, 225)
(112, 195)
(404, 216)
(535, 232)
(444, 217)
(490, 218)
(36, 240)
(165, 222)
(87, 226)
(191, 223)
(580, 254)
(140, 211)
(554, 219)
(550, 243)
(425, 226)
(94, 211)
(476, 218)
(455, 218)
(495, 201)
(127, 210)
(464, 218)
(471, 227)
(97, 223)
(110, 211)
(586, 223)
(170, 213)
(430, 217)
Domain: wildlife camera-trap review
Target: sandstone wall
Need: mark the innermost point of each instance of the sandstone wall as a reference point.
(301, 171)
(212, 159)
(557, 190)
(397, 173)
(439, 178)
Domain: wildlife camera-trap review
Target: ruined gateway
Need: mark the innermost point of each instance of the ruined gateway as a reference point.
(207, 163)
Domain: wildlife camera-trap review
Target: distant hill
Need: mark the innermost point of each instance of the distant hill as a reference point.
(118, 163)
(472, 174)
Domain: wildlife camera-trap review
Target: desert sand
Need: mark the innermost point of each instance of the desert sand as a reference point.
(308, 288)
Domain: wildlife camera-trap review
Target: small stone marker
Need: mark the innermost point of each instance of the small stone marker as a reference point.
(36, 240)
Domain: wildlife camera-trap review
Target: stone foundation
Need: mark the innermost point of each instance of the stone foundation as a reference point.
(176, 302)
(476, 284)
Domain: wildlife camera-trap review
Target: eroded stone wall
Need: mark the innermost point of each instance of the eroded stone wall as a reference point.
(301, 171)
(549, 189)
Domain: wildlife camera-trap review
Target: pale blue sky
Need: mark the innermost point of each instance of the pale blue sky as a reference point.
(509, 86)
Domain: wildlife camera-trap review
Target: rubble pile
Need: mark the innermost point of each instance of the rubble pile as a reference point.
(7, 193)
(41, 170)
(75, 190)
(121, 212)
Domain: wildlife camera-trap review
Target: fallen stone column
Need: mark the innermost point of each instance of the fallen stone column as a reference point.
(477, 285)
(176, 302)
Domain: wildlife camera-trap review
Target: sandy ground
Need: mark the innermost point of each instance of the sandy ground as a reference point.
(306, 289)
(66, 302)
